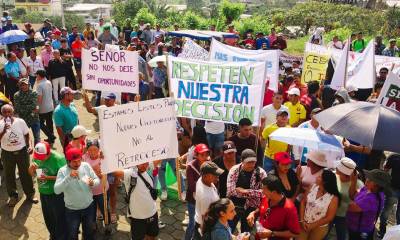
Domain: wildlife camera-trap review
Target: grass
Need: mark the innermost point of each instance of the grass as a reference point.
(296, 46)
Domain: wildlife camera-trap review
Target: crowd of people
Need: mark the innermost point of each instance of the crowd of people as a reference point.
(230, 174)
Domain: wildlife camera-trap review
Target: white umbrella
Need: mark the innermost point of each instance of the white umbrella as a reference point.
(153, 61)
(309, 138)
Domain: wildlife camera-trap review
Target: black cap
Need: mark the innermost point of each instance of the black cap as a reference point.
(229, 146)
(210, 167)
(249, 155)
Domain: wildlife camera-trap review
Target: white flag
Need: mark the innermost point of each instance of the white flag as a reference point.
(361, 73)
(339, 75)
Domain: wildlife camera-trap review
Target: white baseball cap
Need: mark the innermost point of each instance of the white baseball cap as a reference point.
(79, 131)
(294, 91)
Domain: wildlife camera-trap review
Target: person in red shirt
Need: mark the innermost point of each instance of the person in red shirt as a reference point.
(76, 48)
(249, 40)
(232, 41)
(278, 219)
(298, 84)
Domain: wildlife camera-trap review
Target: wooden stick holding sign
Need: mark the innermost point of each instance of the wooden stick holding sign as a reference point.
(104, 186)
(177, 162)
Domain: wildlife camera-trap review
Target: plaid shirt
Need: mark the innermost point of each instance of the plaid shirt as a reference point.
(254, 194)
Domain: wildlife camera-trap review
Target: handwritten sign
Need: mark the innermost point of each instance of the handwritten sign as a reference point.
(138, 132)
(217, 91)
(314, 67)
(224, 53)
(114, 71)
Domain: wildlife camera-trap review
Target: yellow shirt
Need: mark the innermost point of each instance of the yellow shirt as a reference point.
(273, 146)
(296, 112)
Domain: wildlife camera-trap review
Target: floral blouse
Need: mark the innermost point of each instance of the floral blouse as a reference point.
(316, 208)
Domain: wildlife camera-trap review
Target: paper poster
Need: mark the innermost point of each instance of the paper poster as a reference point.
(114, 71)
(138, 132)
(217, 91)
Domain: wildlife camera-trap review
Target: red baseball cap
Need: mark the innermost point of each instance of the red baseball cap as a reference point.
(282, 158)
(201, 148)
(73, 154)
(41, 151)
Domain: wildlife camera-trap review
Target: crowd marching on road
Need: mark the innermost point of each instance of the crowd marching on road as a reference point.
(237, 182)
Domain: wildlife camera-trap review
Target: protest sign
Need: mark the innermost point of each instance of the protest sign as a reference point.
(192, 50)
(114, 71)
(390, 93)
(315, 63)
(138, 132)
(224, 53)
(217, 91)
(287, 59)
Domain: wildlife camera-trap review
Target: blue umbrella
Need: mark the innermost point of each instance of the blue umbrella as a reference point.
(12, 36)
(371, 125)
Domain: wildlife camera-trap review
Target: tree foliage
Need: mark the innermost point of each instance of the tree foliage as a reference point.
(325, 14)
(231, 11)
(194, 5)
(146, 16)
(254, 24)
(126, 9)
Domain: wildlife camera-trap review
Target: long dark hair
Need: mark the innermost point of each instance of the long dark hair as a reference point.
(330, 183)
(213, 214)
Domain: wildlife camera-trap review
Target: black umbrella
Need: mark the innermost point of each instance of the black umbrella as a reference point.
(372, 125)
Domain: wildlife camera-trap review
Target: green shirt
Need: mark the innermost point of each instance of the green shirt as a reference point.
(359, 45)
(66, 117)
(50, 167)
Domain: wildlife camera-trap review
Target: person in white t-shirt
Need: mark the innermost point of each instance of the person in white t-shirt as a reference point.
(215, 137)
(268, 113)
(142, 207)
(206, 193)
(15, 150)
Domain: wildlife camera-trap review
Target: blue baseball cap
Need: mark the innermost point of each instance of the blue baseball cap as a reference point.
(110, 96)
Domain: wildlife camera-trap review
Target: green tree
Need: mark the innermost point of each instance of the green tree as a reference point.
(70, 21)
(19, 13)
(160, 9)
(194, 5)
(146, 16)
(127, 9)
(231, 11)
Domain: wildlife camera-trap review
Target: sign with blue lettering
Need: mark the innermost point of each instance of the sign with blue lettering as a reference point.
(217, 91)
(224, 53)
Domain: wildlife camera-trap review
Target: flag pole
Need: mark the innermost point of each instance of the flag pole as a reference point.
(347, 60)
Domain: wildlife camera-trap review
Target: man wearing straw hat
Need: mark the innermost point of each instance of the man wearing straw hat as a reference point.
(45, 166)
